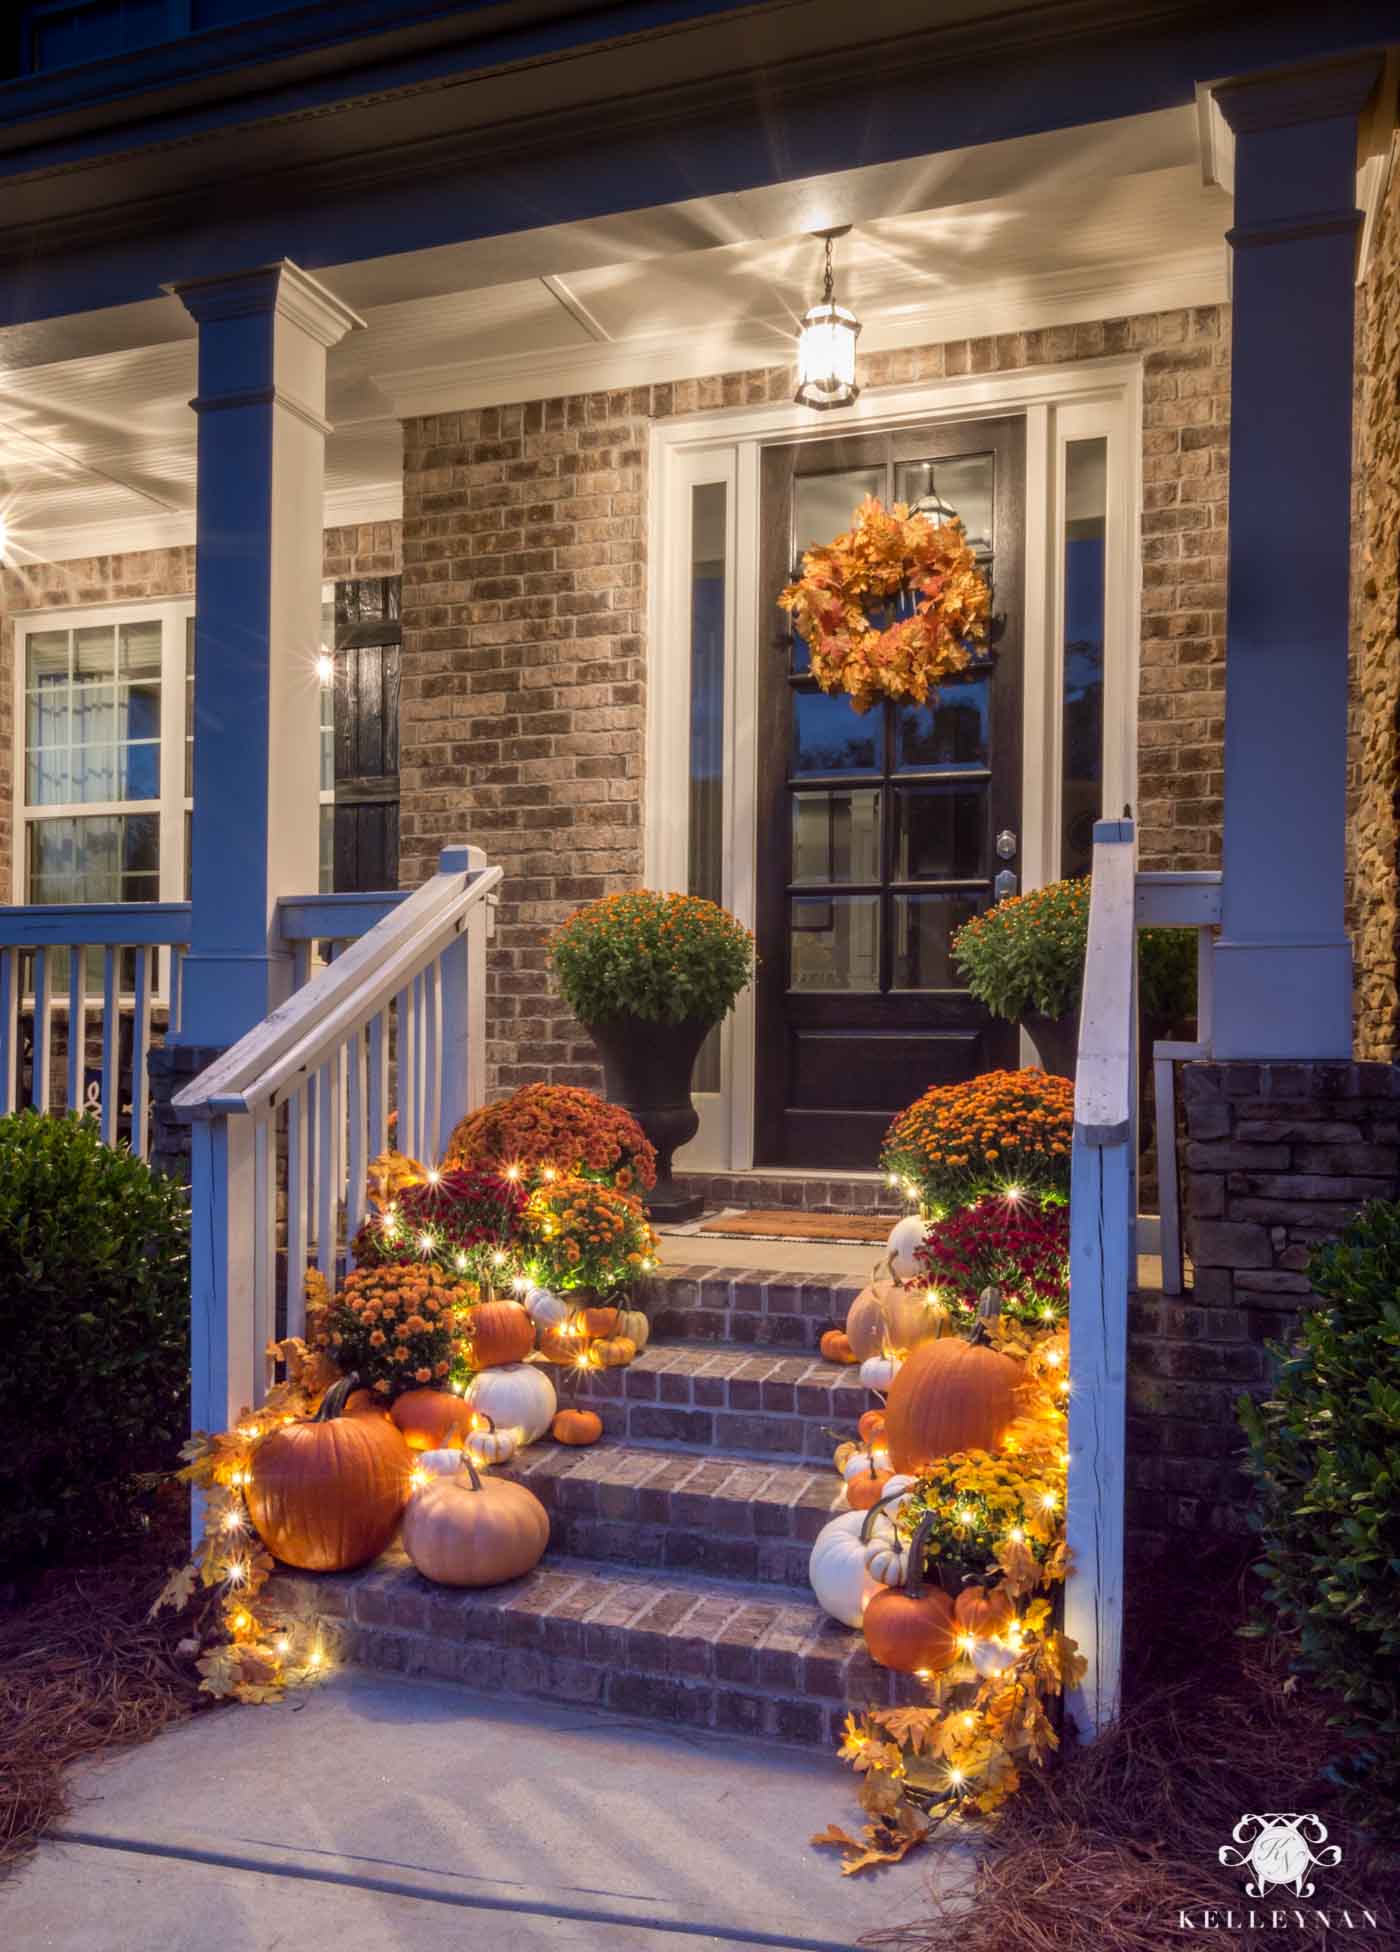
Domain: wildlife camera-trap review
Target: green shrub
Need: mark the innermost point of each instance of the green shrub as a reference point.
(94, 1333)
(1324, 1455)
(1025, 957)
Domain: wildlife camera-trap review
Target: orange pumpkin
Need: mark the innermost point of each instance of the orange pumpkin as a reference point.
(595, 1321)
(364, 1403)
(836, 1347)
(577, 1427)
(911, 1627)
(871, 1426)
(473, 1531)
(501, 1331)
(556, 1346)
(432, 1419)
(867, 1488)
(983, 1610)
(949, 1395)
(325, 1492)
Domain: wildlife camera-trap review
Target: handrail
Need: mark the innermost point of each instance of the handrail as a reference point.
(391, 954)
(1103, 1090)
(95, 925)
(334, 918)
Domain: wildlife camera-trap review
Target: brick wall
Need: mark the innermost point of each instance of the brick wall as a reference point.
(1278, 1158)
(524, 596)
(365, 549)
(1375, 730)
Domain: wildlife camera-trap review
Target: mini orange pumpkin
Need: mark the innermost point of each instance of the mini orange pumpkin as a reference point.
(595, 1321)
(432, 1419)
(911, 1627)
(983, 1610)
(325, 1492)
(556, 1346)
(836, 1347)
(501, 1332)
(867, 1488)
(871, 1426)
(573, 1426)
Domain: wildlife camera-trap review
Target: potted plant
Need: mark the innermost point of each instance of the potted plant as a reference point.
(649, 976)
(1024, 959)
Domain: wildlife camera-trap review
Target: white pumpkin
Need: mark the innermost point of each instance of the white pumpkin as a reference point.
(856, 1465)
(990, 1657)
(887, 1560)
(837, 1569)
(438, 1463)
(636, 1326)
(878, 1372)
(887, 1315)
(545, 1309)
(906, 1236)
(516, 1396)
(493, 1445)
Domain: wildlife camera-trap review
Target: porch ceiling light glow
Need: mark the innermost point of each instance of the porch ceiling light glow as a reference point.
(826, 344)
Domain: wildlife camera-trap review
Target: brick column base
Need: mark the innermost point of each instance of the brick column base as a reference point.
(1278, 1158)
(171, 1067)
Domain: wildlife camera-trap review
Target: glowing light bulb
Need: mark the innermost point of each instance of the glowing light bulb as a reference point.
(955, 1777)
(460, 1263)
(1049, 1501)
(237, 1574)
(426, 1243)
(966, 1642)
(284, 1644)
(969, 1721)
(417, 1478)
(1047, 1313)
(966, 1516)
(1063, 1387)
(325, 670)
(512, 1173)
(549, 1174)
(232, 1521)
(1016, 1535)
(241, 1622)
(1015, 1193)
(434, 1176)
(316, 1658)
(923, 1673)
(499, 1258)
(520, 1285)
(1053, 1358)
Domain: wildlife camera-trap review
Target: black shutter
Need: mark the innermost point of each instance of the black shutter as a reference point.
(368, 639)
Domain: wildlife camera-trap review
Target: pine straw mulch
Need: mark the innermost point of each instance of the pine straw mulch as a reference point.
(83, 1670)
(1102, 1852)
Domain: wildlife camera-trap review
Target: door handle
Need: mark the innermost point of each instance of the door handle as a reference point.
(1005, 884)
(1007, 843)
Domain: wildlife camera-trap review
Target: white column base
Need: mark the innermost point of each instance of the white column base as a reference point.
(1282, 1000)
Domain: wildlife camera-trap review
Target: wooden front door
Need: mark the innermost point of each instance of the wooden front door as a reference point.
(879, 835)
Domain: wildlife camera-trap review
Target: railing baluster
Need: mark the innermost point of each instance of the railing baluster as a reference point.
(301, 964)
(408, 1105)
(327, 1118)
(41, 1074)
(140, 1052)
(177, 985)
(264, 1240)
(358, 1158)
(298, 1246)
(77, 1027)
(9, 1028)
(432, 1069)
(111, 1043)
(378, 1093)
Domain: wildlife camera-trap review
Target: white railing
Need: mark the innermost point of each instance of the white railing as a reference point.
(320, 1068)
(1103, 1229)
(34, 944)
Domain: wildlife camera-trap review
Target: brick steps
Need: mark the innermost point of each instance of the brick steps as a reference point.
(717, 1515)
(727, 1399)
(787, 1312)
(670, 1647)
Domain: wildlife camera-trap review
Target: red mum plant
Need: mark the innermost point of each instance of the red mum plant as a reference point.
(556, 1130)
(463, 1219)
(1015, 1245)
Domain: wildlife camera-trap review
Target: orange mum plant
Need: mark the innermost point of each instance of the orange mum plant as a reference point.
(1006, 1132)
(556, 1129)
(583, 1235)
(887, 553)
(398, 1327)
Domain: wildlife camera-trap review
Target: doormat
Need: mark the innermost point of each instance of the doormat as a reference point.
(785, 1223)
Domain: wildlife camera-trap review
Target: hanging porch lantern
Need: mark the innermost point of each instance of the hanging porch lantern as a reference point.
(826, 344)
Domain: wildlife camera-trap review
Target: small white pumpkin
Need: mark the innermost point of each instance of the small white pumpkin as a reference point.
(857, 1464)
(492, 1445)
(837, 1569)
(636, 1326)
(878, 1372)
(546, 1309)
(991, 1657)
(438, 1463)
(887, 1561)
(906, 1237)
(516, 1396)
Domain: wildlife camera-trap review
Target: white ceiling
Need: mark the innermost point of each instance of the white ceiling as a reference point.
(1114, 218)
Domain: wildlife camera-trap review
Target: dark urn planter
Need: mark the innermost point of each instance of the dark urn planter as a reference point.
(1056, 1040)
(647, 1069)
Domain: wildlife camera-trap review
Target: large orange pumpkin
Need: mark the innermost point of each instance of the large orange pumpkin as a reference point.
(949, 1395)
(501, 1331)
(911, 1627)
(432, 1419)
(325, 1492)
(473, 1531)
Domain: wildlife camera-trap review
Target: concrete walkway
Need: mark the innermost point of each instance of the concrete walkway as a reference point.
(372, 1814)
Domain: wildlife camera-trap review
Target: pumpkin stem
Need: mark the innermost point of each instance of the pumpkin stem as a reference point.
(890, 1498)
(472, 1471)
(988, 1309)
(918, 1545)
(333, 1403)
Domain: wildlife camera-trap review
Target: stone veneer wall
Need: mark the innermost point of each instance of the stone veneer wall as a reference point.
(1278, 1158)
(1375, 740)
(363, 549)
(522, 707)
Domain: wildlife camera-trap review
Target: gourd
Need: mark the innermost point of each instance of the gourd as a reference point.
(574, 1426)
(518, 1395)
(886, 1315)
(837, 1571)
(906, 1237)
(325, 1492)
(949, 1395)
(636, 1326)
(846, 1454)
(545, 1309)
(473, 1531)
(887, 1561)
(488, 1443)
(592, 1322)
(878, 1372)
(437, 1464)
(614, 1351)
(501, 1332)
(871, 1426)
(983, 1611)
(430, 1419)
(835, 1347)
(910, 1628)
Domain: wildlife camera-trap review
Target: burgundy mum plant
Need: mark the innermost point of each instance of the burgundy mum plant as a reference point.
(1003, 1242)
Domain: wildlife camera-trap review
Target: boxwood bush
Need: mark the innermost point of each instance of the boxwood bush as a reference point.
(1324, 1454)
(94, 1333)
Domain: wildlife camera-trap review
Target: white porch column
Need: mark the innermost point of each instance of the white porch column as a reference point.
(1283, 962)
(263, 338)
